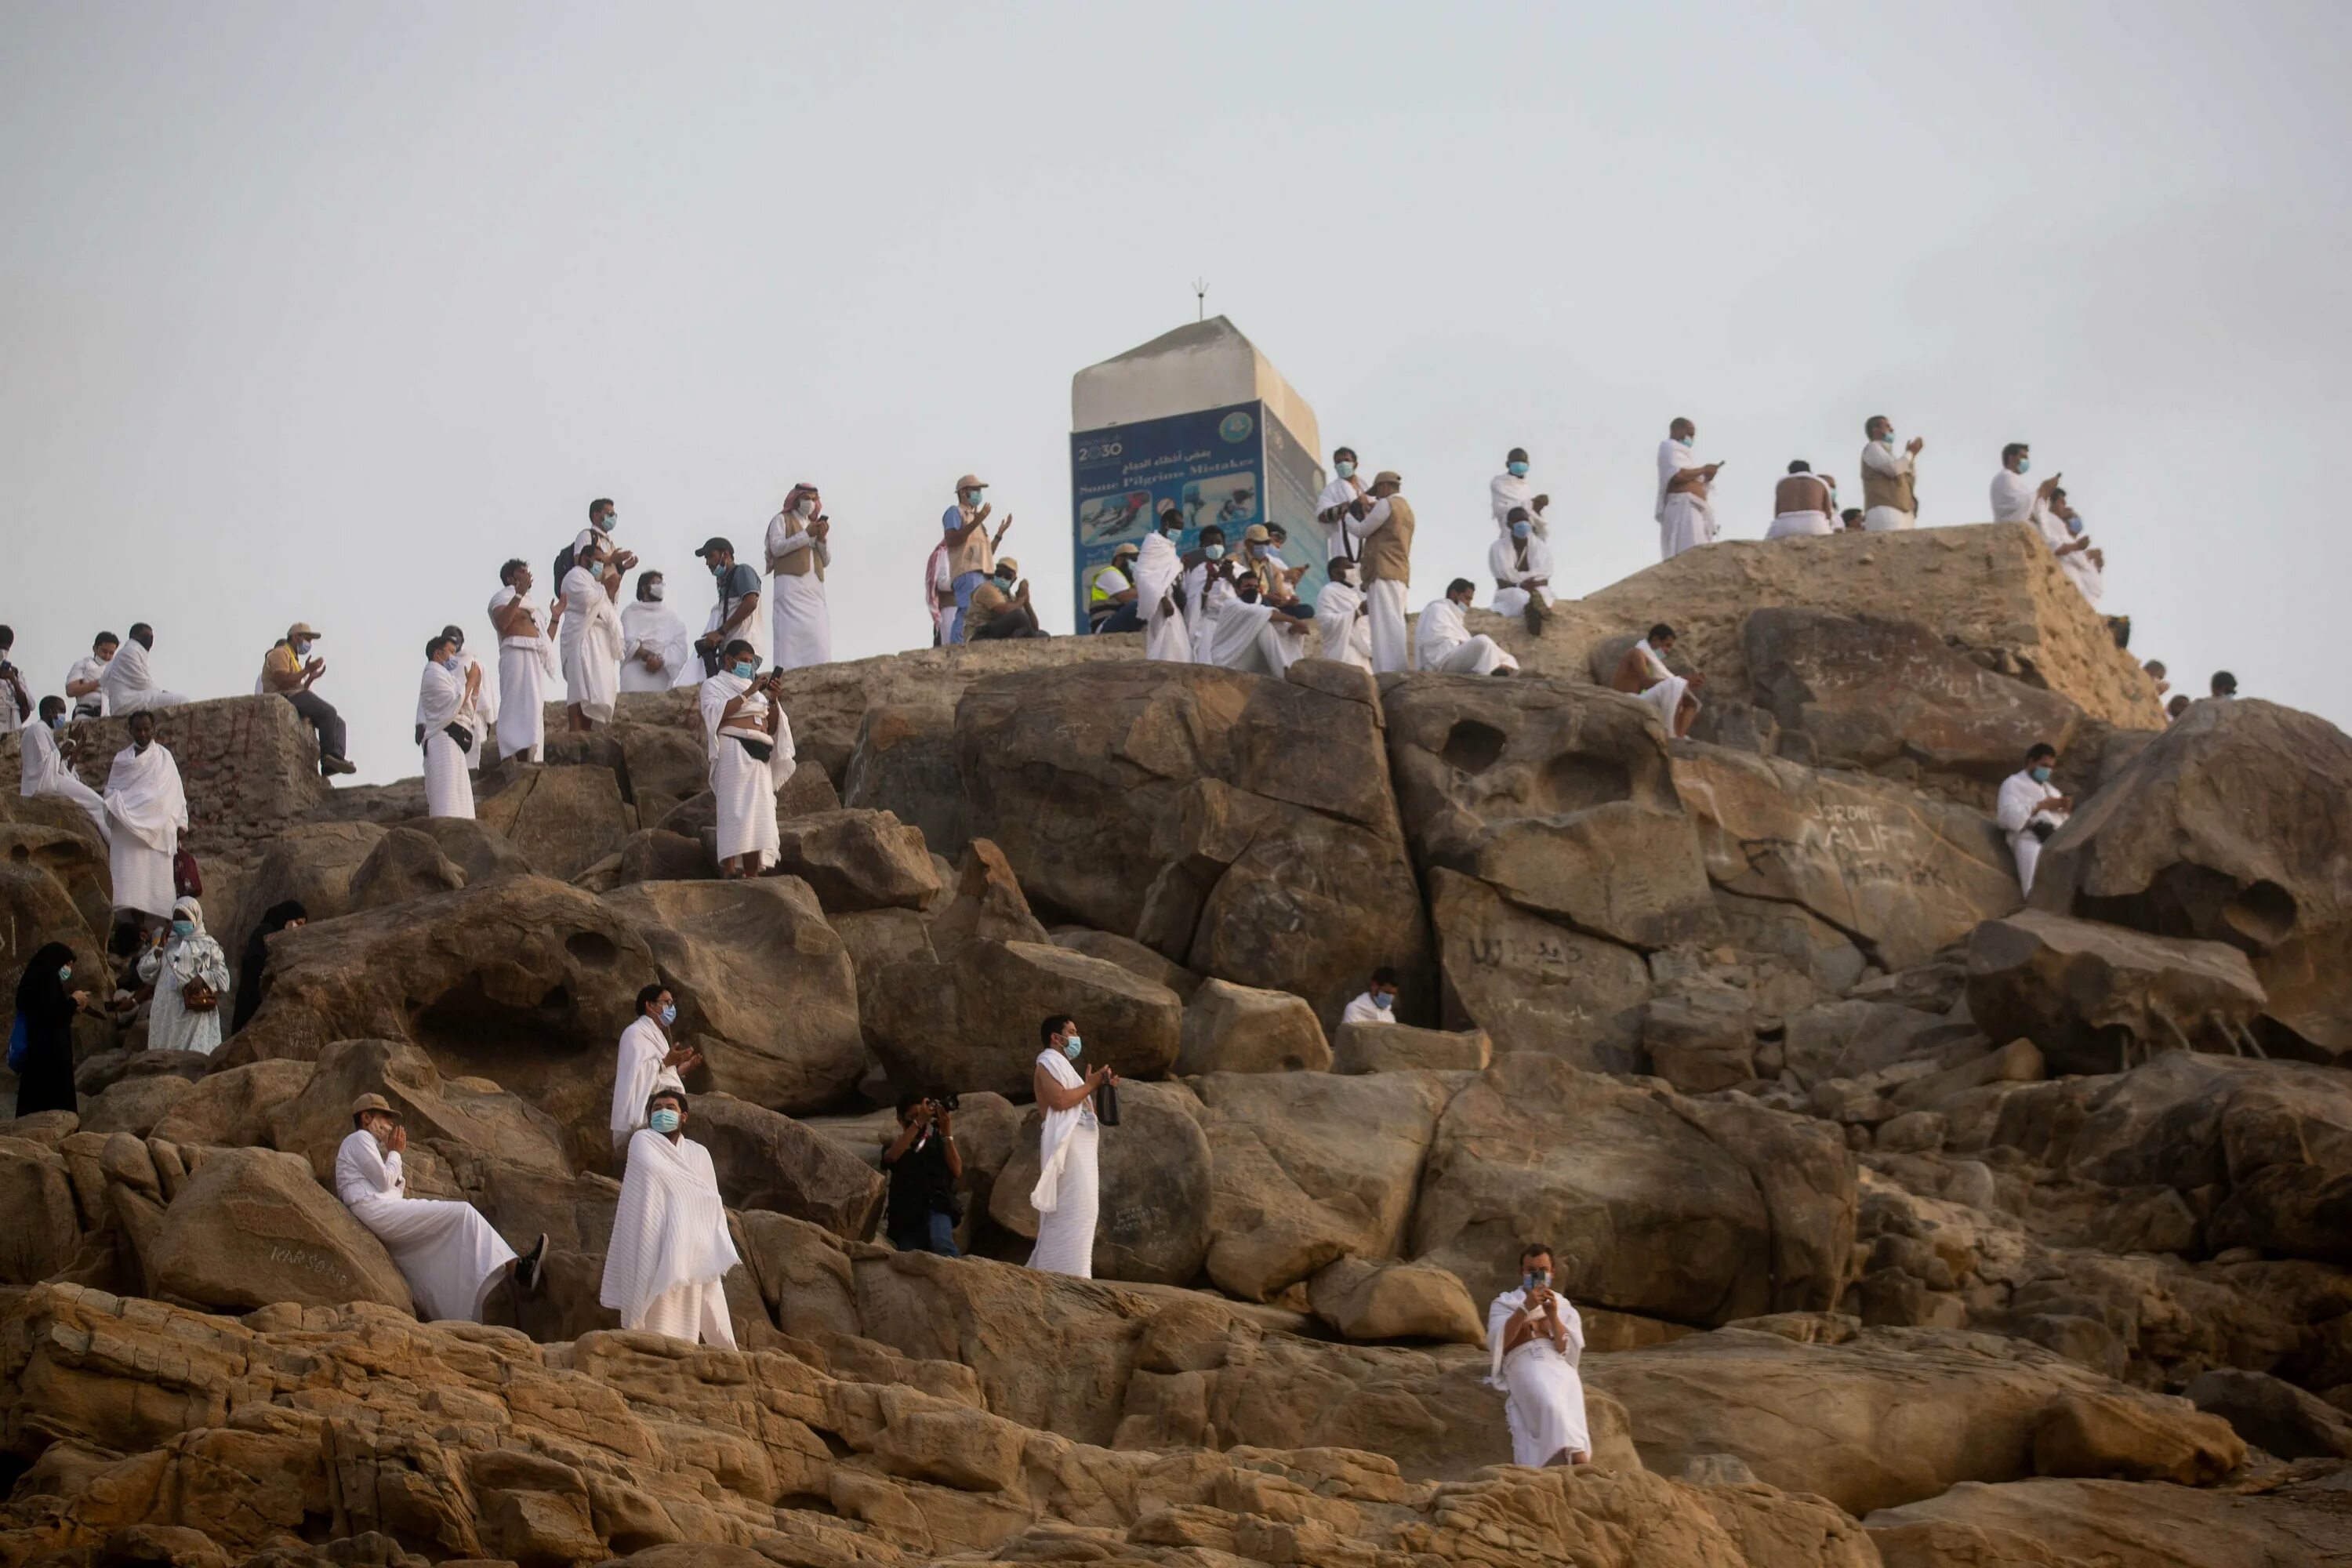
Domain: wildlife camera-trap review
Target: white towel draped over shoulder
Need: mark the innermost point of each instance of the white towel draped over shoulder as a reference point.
(1165, 635)
(448, 1252)
(743, 788)
(643, 1067)
(144, 797)
(669, 1229)
(1347, 635)
(648, 625)
(441, 703)
(1666, 689)
(592, 646)
(1054, 1137)
(1685, 518)
(1244, 636)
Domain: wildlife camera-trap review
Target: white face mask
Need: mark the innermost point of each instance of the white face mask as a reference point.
(807, 508)
(653, 593)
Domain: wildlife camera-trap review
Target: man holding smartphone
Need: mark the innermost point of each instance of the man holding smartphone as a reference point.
(798, 553)
(1536, 1341)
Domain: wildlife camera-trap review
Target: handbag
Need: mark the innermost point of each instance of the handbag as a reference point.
(187, 881)
(198, 996)
(1107, 1105)
(761, 750)
(459, 733)
(20, 1043)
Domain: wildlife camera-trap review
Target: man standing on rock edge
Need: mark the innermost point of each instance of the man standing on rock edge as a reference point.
(666, 1268)
(2029, 811)
(1342, 499)
(1889, 480)
(1686, 516)
(1386, 530)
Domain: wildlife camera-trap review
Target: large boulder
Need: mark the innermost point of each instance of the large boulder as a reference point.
(1652, 1204)
(1401, 1047)
(563, 817)
(858, 861)
(1243, 827)
(459, 1119)
(1309, 1168)
(253, 1226)
(44, 1229)
(2056, 1522)
(988, 903)
(73, 858)
(405, 864)
(765, 988)
(1533, 984)
(1239, 1028)
(765, 1161)
(1892, 696)
(1901, 872)
(2234, 825)
(1364, 1301)
(231, 1109)
(523, 981)
(970, 1021)
(309, 863)
(2085, 991)
(1559, 797)
(905, 763)
(1153, 1221)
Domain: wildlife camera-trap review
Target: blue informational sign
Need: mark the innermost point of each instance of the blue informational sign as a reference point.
(1231, 466)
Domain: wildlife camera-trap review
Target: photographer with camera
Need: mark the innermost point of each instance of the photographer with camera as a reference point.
(1536, 1340)
(751, 757)
(924, 1165)
(2028, 810)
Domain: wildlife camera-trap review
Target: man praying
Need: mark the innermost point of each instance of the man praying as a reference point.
(1159, 569)
(1643, 672)
(1520, 563)
(1889, 479)
(291, 670)
(146, 811)
(656, 651)
(450, 1255)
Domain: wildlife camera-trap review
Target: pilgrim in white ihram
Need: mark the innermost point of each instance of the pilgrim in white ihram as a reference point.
(591, 644)
(1443, 641)
(526, 663)
(128, 683)
(1512, 489)
(2028, 806)
(642, 1071)
(743, 783)
(1341, 619)
(1542, 1387)
(657, 650)
(1685, 516)
(44, 771)
(1165, 635)
(445, 707)
(448, 1252)
(1513, 561)
(149, 811)
(666, 1270)
(1666, 689)
(1068, 1192)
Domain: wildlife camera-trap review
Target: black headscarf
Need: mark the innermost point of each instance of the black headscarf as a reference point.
(256, 957)
(41, 998)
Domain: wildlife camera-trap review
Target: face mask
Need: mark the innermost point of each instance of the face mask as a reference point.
(1344, 469)
(653, 594)
(1518, 470)
(1257, 551)
(2074, 523)
(668, 1014)
(58, 723)
(453, 664)
(665, 1121)
(973, 497)
(1887, 439)
(1520, 530)
(745, 670)
(302, 649)
(719, 569)
(2024, 465)
(1682, 441)
(184, 928)
(1070, 1045)
(807, 507)
(611, 520)
(1213, 552)
(65, 975)
(1383, 1000)
(1004, 583)
(2041, 775)
(1534, 1278)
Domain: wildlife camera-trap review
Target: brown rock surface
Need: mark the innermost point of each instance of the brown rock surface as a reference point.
(563, 817)
(1153, 1225)
(858, 861)
(1238, 1028)
(1532, 985)
(1401, 1047)
(2082, 991)
(768, 1161)
(252, 1227)
(2059, 1524)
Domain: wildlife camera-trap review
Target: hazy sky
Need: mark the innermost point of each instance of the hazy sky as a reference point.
(321, 312)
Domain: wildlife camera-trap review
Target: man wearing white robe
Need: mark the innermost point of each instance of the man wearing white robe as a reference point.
(650, 1060)
(1511, 490)
(591, 641)
(798, 553)
(1208, 580)
(1889, 479)
(1378, 1002)
(41, 761)
(526, 663)
(1068, 1194)
(939, 594)
(1802, 503)
(1535, 1340)
(148, 810)
(666, 1268)
(445, 709)
(86, 683)
(1520, 564)
(2085, 563)
(1385, 547)
(2016, 498)
(1442, 640)
(1165, 635)
(450, 1255)
(1341, 619)
(1685, 516)
(127, 682)
(656, 653)
(17, 705)
(743, 718)
(1249, 634)
(1344, 499)
(1644, 673)
(2028, 809)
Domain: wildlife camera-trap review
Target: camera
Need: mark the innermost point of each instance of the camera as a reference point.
(948, 1103)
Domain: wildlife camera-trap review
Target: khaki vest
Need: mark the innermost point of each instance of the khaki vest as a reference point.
(976, 553)
(1878, 489)
(801, 562)
(1388, 553)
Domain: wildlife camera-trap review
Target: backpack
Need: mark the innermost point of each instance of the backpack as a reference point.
(563, 564)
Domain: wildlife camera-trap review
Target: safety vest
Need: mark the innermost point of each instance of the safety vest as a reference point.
(1097, 594)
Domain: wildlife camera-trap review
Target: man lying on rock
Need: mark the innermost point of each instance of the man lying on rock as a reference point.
(1536, 1341)
(446, 1251)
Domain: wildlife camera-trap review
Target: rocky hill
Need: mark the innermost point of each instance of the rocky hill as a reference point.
(1912, 1227)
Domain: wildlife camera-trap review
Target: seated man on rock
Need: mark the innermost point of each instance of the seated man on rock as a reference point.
(666, 1270)
(2028, 810)
(1377, 1004)
(924, 1165)
(1536, 1340)
(446, 1251)
(1643, 672)
(1442, 639)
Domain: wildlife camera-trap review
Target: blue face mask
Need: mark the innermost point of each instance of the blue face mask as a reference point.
(2024, 465)
(453, 663)
(2074, 523)
(668, 1014)
(1344, 469)
(1682, 441)
(1213, 552)
(746, 670)
(65, 975)
(184, 928)
(302, 649)
(1383, 1000)
(1520, 530)
(1518, 470)
(1071, 1044)
(973, 497)
(2042, 774)
(665, 1121)
(719, 569)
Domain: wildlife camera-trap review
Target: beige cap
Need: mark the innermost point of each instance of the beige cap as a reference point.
(299, 629)
(1130, 548)
(1006, 563)
(1387, 477)
(971, 482)
(368, 1102)
(1255, 533)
